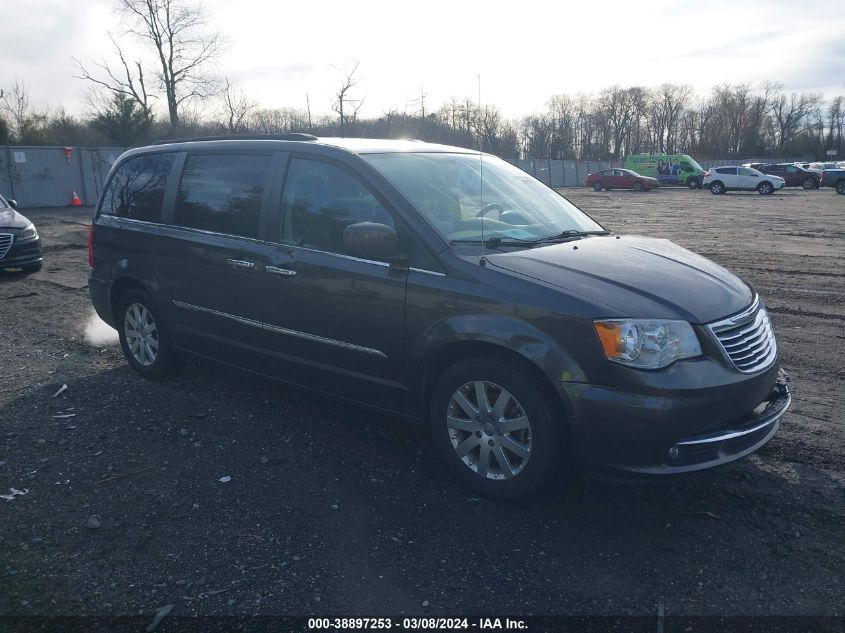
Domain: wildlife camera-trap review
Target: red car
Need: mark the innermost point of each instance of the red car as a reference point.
(621, 179)
(794, 175)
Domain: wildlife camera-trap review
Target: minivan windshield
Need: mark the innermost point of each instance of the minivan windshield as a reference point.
(468, 200)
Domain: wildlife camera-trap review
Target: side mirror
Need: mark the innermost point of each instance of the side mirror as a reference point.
(370, 240)
(13, 203)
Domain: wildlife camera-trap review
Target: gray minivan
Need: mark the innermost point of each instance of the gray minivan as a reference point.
(442, 285)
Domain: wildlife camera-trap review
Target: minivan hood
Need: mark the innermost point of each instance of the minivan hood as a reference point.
(638, 276)
(11, 219)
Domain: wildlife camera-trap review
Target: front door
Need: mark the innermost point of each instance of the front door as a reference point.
(747, 179)
(333, 321)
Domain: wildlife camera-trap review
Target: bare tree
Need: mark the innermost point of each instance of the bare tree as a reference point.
(342, 98)
(16, 106)
(788, 112)
(127, 82)
(184, 48)
(238, 107)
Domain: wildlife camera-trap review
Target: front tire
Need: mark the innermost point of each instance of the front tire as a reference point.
(764, 188)
(638, 186)
(692, 183)
(809, 183)
(493, 428)
(145, 337)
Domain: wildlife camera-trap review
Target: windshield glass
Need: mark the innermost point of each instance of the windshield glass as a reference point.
(695, 164)
(449, 190)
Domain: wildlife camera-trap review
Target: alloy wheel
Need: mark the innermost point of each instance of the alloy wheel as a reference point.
(141, 334)
(489, 430)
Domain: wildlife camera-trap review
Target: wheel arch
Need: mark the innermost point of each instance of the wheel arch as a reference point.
(120, 287)
(437, 360)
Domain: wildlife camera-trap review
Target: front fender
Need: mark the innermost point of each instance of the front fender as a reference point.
(459, 334)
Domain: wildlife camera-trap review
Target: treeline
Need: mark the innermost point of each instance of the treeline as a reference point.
(732, 121)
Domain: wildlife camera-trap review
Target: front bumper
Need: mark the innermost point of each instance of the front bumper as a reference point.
(741, 438)
(22, 254)
(696, 414)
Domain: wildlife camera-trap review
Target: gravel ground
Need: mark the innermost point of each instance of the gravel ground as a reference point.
(331, 509)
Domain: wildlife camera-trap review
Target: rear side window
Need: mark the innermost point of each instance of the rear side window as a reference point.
(136, 189)
(222, 193)
(728, 171)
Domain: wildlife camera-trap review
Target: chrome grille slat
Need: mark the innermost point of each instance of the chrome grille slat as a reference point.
(6, 240)
(745, 342)
(747, 339)
(752, 351)
(750, 328)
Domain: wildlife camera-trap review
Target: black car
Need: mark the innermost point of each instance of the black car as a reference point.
(20, 245)
(444, 286)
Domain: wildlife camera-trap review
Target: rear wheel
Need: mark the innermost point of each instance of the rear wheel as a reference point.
(493, 428)
(145, 337)
(596, 186)
(764, 188)
(717, 188)
(809, 183)
(840, 187)
(638, 186)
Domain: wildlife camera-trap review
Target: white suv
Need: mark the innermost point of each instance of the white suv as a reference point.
(722, 179)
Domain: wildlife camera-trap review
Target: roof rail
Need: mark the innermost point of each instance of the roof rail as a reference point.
(293, 136)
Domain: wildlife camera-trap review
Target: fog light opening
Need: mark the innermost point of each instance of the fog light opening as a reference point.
(674, 452)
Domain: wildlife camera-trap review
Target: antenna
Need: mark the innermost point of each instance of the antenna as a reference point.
(482, 261)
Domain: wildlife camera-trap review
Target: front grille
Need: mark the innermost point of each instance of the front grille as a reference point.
(747, 338)
(5, 243)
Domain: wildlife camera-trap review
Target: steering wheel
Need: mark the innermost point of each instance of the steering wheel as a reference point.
(489, 207)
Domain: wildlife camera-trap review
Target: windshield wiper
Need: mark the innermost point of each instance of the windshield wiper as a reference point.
(568, 235)
(496, 241)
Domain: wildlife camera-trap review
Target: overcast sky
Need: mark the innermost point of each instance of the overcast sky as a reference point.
(524, 51)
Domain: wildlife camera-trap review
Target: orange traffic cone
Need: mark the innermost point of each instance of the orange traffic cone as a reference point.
(75, 201)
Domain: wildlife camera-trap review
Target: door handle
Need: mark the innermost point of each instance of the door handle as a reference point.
(284, 272)
(241, 263)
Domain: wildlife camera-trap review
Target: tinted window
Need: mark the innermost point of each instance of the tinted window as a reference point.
(222, 193)
(792, 169)
(727, 171)
(136, 189)
(320, 201)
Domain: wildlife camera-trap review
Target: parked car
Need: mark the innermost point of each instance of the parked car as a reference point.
(793, 175)
(669, 169)
(722, 179)
(820, 167)
(621, 179)
(20, 245)
(443, 286)
(834, 178)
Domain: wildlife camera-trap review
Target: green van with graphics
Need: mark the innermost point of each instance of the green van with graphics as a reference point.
(669, 169)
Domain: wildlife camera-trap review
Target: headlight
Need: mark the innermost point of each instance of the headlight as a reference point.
(647, 344)
(28, 233)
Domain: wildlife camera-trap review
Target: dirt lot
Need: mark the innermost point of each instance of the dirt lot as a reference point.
(334, 510)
